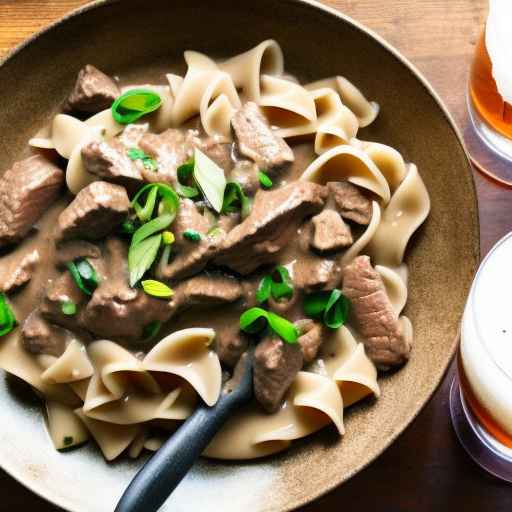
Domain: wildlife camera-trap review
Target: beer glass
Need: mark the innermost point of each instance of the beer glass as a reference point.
(481, 395)
(489, 137)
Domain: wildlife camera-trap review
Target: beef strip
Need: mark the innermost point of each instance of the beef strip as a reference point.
(109, 161)
(228, 221)
(74, 249)
(94, 91)
(373, 314)
(40, 337)
(117, 311)
(274, 220)
(16, 269)
(170, 149)
(310, 339)
(351, 202)
(313, 273)
(256, 140)
(219, 152)
(230, 344)
(63, 289)
(330, 233)
(190, 257)
(95, 211)
(246, 173)
(275, 366)
(26, 192)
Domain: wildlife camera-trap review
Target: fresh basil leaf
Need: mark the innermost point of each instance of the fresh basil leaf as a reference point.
(192, 235)
(142, 256)
(156, 288)
(235, 200)
(254, 320)
(265, 181)
(134, 104)
(264, 289)
(7, 318)
(151, 227)
(210, 179)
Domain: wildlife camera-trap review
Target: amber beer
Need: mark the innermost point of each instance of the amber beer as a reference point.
(485, 98)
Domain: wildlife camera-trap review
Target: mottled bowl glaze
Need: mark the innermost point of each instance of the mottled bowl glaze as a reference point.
(134, 38)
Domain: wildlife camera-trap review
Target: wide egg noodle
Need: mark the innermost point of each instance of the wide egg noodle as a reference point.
(71, 366)
(188, 355)
(65, 428)
(406, 211)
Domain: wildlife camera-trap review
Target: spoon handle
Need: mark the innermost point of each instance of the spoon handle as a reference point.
(164, 471)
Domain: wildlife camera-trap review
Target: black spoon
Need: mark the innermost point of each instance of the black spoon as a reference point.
(161, 474)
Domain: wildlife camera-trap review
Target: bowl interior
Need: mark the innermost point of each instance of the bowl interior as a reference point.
(136, 41)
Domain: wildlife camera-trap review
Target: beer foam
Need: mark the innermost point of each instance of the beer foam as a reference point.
(486, 335)
(498, 41)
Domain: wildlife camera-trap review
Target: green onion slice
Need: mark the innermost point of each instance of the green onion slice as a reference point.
(134, 104)
(331, 306)
(169, 200)
(156, 288)
(265, 181)
(235, 200)
(192, 235)
(278, 284)
(142, 256)
(128, 227)
(152, 329)
(210, 179)
(185, 174)
(84, 275)
(68, 307)
(7, 318)
(256, 319)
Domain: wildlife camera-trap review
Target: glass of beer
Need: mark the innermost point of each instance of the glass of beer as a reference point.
(481, 395)
(489, 136)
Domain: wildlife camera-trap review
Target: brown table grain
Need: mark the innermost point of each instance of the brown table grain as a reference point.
(425, 469)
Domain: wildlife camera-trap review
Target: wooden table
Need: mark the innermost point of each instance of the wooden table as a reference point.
(426, 469)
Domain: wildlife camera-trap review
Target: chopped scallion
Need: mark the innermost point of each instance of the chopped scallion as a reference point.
(192, 235)
(277, 285)
(236, 200)
(331, 306)
(254, 320)
(68, 307)
(210, 179)
(265, 181)
(156, 288)
(84, 275)
(151, 330)
(7, 318)
(134, 104)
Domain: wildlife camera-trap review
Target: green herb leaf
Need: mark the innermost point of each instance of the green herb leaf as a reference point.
(68, 440)
(152, 329)
(134, 104)
(84, 275)
(282, 285)
(192, 235)
(128, 227)
(7, 318)
(331, 306)
(151, 227)
(210, 179)
(150, 163)
(265, 181)
(156, 288)
(185, 174)
(136, 154)
(169, 200)
(168, 237)
(68, 307)
(142, 256)
(264, 289)
(256, 319)
(235, 200)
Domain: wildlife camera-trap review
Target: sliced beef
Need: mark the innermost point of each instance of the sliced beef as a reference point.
(206, 290)
(274, 220)
(63, 289)
(310, 339)
(276, 364)
(230, 344)
(228, 222)
(94, 91)
(373, 314)
(16, 269)
(26, 192)
(246, 173)
(109, 161)
(256, 140)
(74, 249)
(190, 257)
(96, 210)
(313, 273)
(117, 311)
(170, 149)
(330, 233)
(217, 151)
(351, 202)
(40, 337)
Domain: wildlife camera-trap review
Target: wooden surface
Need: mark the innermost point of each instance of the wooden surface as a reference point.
(426, 469)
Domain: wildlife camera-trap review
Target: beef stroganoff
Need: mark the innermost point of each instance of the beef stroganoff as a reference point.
(160, 231)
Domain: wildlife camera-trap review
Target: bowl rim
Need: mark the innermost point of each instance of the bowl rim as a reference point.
(369, 33)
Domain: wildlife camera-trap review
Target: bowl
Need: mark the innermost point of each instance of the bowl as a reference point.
(133, 39)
